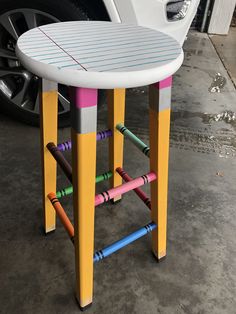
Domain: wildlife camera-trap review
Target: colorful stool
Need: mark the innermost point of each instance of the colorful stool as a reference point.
(101, 55)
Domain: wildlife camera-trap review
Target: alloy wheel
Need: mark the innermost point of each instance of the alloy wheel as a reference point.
(17, 85)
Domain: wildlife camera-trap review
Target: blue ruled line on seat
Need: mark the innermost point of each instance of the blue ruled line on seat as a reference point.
(95, 52)
(117, 58)
(124, 66)
(131, 66)
(104, 55)
(165, 40)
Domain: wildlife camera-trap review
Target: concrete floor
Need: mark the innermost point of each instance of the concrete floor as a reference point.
(199, 273)
(226, 47)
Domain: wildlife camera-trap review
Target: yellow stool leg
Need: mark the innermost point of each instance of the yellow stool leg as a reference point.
(48, 131)
(83, 136)
(159, 115)
(116, 115)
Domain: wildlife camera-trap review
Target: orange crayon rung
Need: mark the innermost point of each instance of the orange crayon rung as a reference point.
(62, 215)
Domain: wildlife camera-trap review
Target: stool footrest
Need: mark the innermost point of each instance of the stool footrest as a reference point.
(108, 250)
(134, 139)
(69, 190)
(101, 254)
(123, 188)
(138, 191)
(62, 215)
(102, 135)
(63, 163)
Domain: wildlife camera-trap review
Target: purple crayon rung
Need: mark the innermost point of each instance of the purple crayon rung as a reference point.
(64, 146)
(102, 135)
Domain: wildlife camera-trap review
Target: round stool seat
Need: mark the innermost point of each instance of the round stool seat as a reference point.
(99, 54)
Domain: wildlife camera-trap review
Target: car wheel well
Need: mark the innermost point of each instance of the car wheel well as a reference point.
(95, 9)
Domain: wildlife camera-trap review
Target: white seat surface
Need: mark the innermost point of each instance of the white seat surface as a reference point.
(96, 54)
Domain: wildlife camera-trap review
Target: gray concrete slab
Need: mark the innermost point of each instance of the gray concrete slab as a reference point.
(199, 273)
(226, 47)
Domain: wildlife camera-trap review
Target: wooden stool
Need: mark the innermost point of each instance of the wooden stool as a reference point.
(101, 55)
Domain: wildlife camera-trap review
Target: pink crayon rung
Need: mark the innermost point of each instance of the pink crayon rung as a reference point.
(123, 188)
(138, 191)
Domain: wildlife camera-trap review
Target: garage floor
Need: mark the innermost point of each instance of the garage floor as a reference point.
(199, 273)
(226, 47)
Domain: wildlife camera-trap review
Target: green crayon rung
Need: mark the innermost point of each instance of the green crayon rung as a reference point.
(103, 177)
(69, 189)
(134, 139)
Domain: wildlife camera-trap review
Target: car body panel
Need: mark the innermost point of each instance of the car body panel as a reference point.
(151, 13)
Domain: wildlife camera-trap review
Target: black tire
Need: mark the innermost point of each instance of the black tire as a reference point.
(62, 10)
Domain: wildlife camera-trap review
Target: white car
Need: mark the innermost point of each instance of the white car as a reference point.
(19, 96)
(172, 17)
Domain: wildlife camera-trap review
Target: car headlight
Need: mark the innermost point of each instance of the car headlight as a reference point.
(177, 9)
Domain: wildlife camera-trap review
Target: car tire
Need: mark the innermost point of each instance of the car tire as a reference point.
(62, 10)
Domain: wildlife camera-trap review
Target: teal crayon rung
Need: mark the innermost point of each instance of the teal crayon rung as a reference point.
(134, 139)
(69, 190)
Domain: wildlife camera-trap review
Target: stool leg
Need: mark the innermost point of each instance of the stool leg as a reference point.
(159, 115)
(48, 132)
(83, 136)
(116, 115)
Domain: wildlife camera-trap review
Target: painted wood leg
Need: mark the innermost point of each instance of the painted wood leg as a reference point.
(83, 136)
(116, 115)
(48, 131)
(159, 111)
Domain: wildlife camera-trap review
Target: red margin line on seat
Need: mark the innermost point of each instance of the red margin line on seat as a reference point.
(62, 49)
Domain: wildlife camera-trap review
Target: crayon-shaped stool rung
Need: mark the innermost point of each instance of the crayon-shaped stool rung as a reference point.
(69, 190)
(123, 188)
(108, 250)
(63, 163)
(62, 215)
(134, 139)
(102, 135)
(101, 254)
(138, 191)
(64, 146)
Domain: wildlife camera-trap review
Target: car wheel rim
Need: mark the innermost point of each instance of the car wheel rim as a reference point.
(18, 85)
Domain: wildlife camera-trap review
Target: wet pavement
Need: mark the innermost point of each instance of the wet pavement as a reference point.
(199, 273)
(226, 47)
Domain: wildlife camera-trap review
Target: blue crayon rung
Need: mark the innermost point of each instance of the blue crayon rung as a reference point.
(101, 254)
